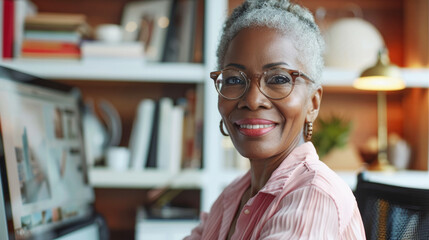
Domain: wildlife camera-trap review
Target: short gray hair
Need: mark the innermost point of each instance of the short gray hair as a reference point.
(288, 18)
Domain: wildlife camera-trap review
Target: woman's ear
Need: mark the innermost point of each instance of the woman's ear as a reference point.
(314, 104)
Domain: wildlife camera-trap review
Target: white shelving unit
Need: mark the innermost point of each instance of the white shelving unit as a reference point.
(207, 179)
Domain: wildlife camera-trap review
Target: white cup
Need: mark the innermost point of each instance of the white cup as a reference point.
(111, 33)
(118, 158)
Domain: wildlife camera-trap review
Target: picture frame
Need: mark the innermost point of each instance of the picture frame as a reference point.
(147, 21)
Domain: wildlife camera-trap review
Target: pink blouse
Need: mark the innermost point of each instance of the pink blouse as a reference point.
(303, 199)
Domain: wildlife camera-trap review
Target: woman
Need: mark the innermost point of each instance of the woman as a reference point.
(269, 89)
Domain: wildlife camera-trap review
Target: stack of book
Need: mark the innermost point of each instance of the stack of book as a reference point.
(98, 50)
(184, 40)
(165, 135)
(53, 35)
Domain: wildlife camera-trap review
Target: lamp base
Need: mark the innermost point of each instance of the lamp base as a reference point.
(381, 165)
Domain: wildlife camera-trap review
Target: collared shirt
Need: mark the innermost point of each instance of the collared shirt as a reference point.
(303, 199)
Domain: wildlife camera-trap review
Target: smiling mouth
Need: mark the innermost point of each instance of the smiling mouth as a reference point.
(255, 127)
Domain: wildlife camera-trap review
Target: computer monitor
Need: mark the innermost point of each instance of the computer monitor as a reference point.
(45, 189)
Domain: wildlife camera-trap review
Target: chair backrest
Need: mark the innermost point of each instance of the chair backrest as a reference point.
(392, 212)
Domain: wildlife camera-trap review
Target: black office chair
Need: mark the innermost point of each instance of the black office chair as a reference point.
(391, 212)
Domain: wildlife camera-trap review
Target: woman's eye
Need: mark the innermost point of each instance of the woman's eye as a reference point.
(233, 81)
(278, 79)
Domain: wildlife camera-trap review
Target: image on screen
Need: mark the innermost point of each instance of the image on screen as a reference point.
(44, 155)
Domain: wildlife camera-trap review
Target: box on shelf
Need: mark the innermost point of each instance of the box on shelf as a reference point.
(157, 229)
(98, 50)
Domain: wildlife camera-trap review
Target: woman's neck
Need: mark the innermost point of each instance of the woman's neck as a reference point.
(261, 169)
(260, 172)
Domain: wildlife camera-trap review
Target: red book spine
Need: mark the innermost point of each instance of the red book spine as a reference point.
(8, 28)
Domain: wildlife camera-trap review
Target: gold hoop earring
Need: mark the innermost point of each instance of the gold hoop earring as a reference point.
(221, 129)
(308, 130)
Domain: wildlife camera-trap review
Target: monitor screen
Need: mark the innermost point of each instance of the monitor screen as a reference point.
(43, 171)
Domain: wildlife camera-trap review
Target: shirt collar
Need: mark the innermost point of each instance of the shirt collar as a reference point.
(238, 187)
(276, 182)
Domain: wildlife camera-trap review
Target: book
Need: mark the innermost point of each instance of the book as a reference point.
(57, 21)
(49, 49)
(171, 44)
(178, 45)
(199, 120)
(198, 41)
(45, 35)
(153, 147)
(164, 133)
(176, 138)
(8, 28)
(48, 45)
(189, 130)
(1, 29)
(98, 49)
(19, 18)
(187, 29)
(141, 134)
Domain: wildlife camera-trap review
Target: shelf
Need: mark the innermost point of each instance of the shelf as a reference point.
(136, 70)
(107, 178)
(191, 179)
(164, 229)
(414, 78)
(113, 70)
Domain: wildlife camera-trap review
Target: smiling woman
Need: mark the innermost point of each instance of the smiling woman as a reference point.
(270, 61)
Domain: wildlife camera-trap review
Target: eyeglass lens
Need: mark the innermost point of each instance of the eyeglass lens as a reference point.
(275, 83)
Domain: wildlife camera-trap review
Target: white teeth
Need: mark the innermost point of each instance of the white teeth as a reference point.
(257, 126)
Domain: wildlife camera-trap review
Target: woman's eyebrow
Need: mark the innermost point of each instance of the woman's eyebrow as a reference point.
(270, 65)
(242, 67)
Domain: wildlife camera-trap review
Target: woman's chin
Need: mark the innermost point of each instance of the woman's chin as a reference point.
(253, 154)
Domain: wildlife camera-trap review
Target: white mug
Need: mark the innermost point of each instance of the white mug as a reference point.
(111, 33)
(118, 158)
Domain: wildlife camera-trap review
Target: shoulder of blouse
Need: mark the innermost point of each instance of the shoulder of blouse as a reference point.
(316, 176)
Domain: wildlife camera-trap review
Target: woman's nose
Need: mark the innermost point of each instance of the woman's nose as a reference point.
(253, 98)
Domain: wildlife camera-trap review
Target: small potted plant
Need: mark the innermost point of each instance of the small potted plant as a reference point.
(331, 139)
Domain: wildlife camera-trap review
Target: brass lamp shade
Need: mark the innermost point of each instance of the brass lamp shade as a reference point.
(383, 76)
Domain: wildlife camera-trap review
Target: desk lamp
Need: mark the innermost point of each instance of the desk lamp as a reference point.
(381, 77)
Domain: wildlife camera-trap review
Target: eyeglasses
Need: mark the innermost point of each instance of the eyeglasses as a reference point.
(275, 83)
